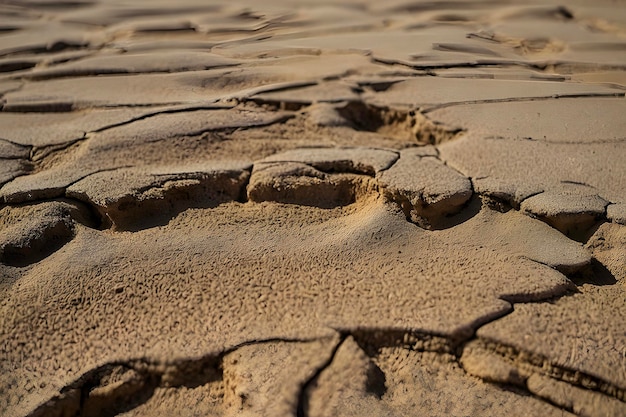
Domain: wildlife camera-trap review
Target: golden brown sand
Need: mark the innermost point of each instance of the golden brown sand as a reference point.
(303, 208)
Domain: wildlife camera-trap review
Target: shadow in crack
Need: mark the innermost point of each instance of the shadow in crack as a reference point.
(376, 381)
(595, 274)
(160, 200)
(50, 240)
(470, 210)
(410, 126)
(117, 388)
(30, 233)
(137, 216)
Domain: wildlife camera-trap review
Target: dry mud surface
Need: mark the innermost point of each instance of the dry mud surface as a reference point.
(305, 208)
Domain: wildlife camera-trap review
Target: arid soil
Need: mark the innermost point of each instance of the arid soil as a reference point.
(312, 208)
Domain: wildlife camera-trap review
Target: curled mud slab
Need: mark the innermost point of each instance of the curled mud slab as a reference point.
(353, 208)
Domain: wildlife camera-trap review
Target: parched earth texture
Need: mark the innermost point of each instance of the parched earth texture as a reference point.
(312, 208)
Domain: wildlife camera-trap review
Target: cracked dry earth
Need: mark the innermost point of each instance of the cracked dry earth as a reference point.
(303, 208)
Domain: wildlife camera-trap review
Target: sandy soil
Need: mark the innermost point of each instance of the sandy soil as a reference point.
(305, 208)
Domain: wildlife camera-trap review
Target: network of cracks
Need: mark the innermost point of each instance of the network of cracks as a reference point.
(410, 179)
(370, 223)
